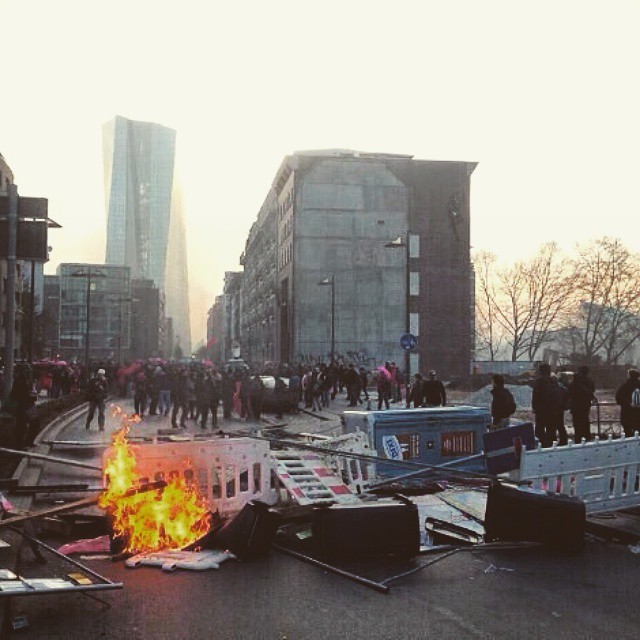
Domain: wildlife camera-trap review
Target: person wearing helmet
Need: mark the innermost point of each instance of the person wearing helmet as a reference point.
(96, 395)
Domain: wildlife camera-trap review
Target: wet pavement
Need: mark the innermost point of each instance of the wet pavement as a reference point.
(515, 594)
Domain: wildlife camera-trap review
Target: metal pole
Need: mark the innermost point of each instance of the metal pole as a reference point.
(88, 323)
(10, 290)
(42, 456)
(32, 304)
(333, 319)
(120, 330)
(407, 356)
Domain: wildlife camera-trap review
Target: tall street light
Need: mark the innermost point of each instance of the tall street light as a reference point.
(402, 242)
(88, 274)
(329, 281)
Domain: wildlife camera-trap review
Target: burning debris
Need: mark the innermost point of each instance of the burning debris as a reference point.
(173, 516)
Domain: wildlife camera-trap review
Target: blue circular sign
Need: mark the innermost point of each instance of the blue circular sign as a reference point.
(408, 342)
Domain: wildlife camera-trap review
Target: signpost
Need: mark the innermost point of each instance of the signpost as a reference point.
(408, 342)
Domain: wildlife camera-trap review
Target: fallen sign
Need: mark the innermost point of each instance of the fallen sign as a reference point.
(171, 560)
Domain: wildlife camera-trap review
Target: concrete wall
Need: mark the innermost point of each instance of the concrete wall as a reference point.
(346, 210)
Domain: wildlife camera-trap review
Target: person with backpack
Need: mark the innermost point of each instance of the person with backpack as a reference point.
(548, 404)
(96, 394)
(503, 404)
(628, 397)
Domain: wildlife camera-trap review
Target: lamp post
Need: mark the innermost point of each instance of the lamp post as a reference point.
(330, 281)
(402, 242)
(88, 274)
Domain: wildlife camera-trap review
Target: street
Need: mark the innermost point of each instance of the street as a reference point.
(510, 594)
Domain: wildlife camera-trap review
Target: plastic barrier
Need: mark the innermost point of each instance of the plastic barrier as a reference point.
(229, 471)
(605, 474)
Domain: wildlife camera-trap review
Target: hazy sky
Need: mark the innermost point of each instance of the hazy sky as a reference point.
(544, 95)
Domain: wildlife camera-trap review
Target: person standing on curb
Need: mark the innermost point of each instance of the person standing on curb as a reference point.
(96, 395)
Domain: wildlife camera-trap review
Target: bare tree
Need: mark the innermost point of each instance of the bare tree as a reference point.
(530, 299)
(489, 335)
(606, 285)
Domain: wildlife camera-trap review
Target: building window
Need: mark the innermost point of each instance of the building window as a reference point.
(414, 283)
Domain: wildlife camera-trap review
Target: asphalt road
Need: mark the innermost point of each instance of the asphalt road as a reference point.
(510, 594)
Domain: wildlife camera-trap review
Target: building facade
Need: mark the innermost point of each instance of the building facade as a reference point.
(259, 291)
(147, 321)
(49, 319)
(145, 217)
(337, 215)
(6, 178)
(102, 294)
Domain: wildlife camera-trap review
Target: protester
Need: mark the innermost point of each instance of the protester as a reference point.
(547, 402)
(434, 392)
(256, 395)
(581, 397)
(96, 395)
(140, 394)
(22, 398)
(383, 386)
(628, 397)
(180, 398)
(503, 404)
(364, 382)
(416, 392)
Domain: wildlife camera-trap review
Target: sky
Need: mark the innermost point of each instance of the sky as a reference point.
(543, 95)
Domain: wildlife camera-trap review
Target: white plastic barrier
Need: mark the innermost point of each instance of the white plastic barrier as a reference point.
(229, 471)
(605, 474)
(356, 473)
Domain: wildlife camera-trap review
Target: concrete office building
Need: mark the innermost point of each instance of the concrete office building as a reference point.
(109, 298)
(148, 325)
(258, 321)
(336, 212)
(145, 219)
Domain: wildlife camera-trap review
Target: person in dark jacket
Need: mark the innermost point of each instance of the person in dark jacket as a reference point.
(416, 393)
(280, 393)
(581, 397)
(22, 399)
(433, 391)
(180, 398)
(141, 390)
(256, 395)
(226, 388)
(503, 404)
(547, 402)
(626, 398)
(96, 395)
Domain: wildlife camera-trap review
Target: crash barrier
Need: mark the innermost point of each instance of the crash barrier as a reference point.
(356, 473)
(605, 474)
(308, 480)
(229, 471)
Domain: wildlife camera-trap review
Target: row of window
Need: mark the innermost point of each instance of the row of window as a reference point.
(286, 254)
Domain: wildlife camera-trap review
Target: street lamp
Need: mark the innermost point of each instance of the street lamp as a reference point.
(402, 242)
(88, 274)
(329, 281)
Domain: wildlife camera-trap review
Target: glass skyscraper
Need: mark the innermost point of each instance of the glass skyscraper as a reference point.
(145, 221)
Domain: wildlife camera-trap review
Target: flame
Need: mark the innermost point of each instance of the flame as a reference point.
(171, 517)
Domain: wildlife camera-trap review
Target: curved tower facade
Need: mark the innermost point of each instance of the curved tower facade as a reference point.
(145, 221)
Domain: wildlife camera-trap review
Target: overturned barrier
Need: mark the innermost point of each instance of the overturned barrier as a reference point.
(605, 474)
(229, 471)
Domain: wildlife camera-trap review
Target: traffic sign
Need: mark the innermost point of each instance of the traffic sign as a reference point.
(408, 342)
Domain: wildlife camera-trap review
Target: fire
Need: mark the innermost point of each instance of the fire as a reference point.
(170, 517)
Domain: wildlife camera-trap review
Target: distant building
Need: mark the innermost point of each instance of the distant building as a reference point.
(258, 320)
(335, 213)
(109, 321)
(6, 178)
(215, 333)
(147, 320)
(49, 318)
(145, 220)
